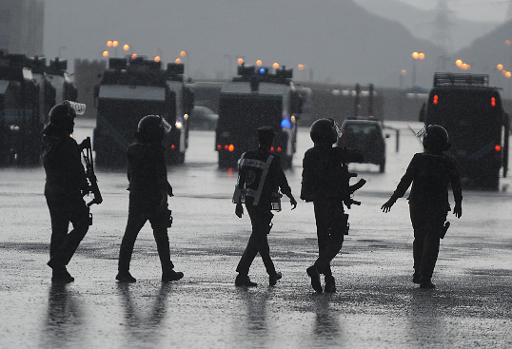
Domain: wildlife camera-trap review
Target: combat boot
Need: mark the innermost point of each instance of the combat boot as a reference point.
(172, 275)
(330, 284)
(125, 277)
(62, 275)
(244, 281)
(315, 278)
(427, 284)
(272, 279)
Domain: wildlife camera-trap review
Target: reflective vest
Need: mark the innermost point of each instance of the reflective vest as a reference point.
(255, 172)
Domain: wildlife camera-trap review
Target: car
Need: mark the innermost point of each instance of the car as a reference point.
(203, 118)
(367, 137)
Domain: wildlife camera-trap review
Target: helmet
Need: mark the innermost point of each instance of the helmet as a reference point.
(266, 135)
(152, 128)
(62, 117)
(436, 138)
(324, 131)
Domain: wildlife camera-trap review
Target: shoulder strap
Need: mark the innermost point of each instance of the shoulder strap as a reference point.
(264, 174)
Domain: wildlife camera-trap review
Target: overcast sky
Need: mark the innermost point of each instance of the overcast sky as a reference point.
(482, 10)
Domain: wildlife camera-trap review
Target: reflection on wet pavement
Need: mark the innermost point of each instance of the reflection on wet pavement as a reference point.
(376, 305)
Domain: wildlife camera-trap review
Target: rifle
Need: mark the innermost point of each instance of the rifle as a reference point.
(349, 201)
(86, 149)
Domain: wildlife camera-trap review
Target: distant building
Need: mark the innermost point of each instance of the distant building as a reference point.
(87, 77)
(22, 26)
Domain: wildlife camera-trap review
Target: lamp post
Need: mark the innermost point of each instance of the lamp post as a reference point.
(416, 56)
(301, 67)
(464, 66)
(403, 74)
(184, 56)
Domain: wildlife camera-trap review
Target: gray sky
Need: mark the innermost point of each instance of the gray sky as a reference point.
(482, 10)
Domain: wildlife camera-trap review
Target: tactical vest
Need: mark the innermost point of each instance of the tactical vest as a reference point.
(256, 172)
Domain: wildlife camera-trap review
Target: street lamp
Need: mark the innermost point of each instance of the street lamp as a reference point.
(105, 54)
(126, 48)
(500, 67)
(459, 63)
(110, 43)
(178, 60)
(416, 56)
(301, 67)
(276, 65)
(403, 73)
(157, 59)
(240, 60)
(259, 62)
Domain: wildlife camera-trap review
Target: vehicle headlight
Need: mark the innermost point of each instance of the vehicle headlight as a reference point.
(179, 125)
(14, 128)
(186, 116)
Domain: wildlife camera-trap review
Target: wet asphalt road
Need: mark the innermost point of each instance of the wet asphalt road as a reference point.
(376, 305)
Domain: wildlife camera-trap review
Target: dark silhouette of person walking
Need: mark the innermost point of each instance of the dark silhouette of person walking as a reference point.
(66, 185)
(259, 180)
(430, 173)
(325, 182)
(149, 189)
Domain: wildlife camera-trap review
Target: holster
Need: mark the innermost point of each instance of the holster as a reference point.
(339, 225)
(269, 217)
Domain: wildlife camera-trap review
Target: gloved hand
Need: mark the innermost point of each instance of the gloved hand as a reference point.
(239, 210)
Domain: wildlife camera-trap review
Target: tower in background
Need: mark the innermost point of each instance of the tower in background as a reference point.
(22, 26)
(441, 34)
(509, 12)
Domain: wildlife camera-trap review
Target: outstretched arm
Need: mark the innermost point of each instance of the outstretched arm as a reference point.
(402, 187)
(457, 189)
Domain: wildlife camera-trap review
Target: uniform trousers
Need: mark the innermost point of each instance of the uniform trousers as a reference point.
(427, 223)
(258, 242)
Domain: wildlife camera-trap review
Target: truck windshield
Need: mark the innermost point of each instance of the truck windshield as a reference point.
(361, 129)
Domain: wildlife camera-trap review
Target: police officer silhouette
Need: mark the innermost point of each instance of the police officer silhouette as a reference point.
(66, 184)
(149, 189)
(259, 180)
(430, 173)
(325, 182)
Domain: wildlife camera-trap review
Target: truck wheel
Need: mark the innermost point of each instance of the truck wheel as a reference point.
(382, 167)
(226, 161)
(286, 162)
(490, 182)
(180, 159)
